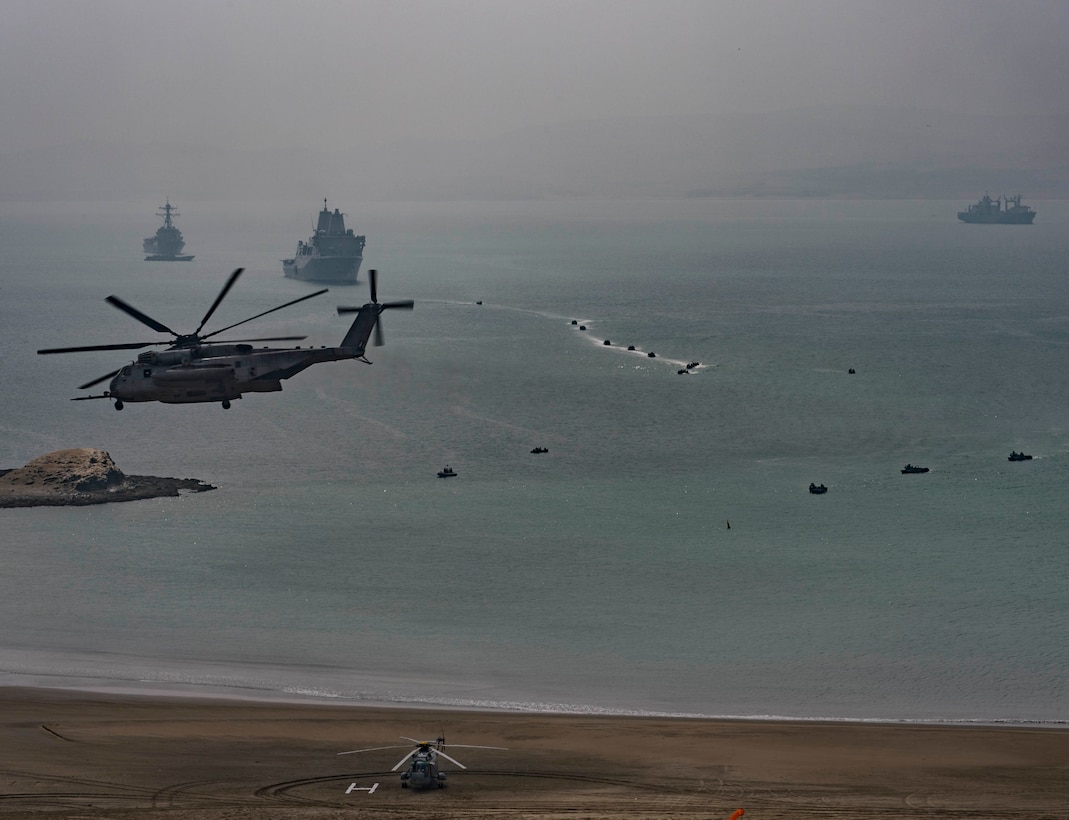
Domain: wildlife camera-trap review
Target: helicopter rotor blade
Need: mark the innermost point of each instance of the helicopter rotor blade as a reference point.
(137, 314)
(403, 760)
(379, 339)
(222, 295)
(373, 279)
(403, 304)
(450, 759)
(372, 749)
(466, 746)
(130, 346)
(87, 385)
(265, 339)
(258, 315)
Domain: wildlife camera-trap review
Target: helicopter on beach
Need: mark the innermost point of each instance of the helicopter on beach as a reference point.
(195, 370)
(423, 769)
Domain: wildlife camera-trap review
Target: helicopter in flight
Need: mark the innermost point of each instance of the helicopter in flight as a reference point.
(194, 369)
(423, 769)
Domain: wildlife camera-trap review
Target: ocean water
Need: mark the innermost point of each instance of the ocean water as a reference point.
(665, 555)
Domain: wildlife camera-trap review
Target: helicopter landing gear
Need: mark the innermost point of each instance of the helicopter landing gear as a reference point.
(226, 404)
(118, 404)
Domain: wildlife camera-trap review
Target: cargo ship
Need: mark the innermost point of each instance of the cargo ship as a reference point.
(1005, 210)
(167, 244)
(332, 254)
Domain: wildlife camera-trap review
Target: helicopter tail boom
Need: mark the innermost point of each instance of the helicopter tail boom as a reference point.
(360, 330)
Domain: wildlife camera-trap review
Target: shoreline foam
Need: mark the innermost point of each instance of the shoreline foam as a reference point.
(304, 696)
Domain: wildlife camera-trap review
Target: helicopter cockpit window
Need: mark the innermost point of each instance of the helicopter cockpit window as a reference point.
(125, 371)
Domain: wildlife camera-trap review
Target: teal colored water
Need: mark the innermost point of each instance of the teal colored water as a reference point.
(665, 555)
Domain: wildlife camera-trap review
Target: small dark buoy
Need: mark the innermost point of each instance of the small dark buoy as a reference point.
(582, 327)
(479, 302)
(630, 347)
(652, 355)
(606, 342)
(574, 322)
(851, 371)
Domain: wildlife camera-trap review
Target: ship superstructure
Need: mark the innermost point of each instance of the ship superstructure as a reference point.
(1004, 210)
(332, 254)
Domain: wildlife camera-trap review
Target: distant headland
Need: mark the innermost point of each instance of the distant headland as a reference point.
(83, 476)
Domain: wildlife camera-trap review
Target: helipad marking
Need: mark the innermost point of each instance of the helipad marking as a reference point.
(354, 788)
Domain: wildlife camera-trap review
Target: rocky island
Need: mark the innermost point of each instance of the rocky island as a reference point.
(83, 476)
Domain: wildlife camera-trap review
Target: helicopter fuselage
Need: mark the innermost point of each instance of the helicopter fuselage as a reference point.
(423, 773)
(219, 373)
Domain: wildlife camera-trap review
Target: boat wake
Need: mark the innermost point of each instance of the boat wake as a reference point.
(685, 367)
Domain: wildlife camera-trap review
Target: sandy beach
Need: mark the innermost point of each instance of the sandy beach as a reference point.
(87, 755)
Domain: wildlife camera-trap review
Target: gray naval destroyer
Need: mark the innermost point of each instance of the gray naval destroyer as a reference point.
(167, 243)
(332, 254)
(1006, 210)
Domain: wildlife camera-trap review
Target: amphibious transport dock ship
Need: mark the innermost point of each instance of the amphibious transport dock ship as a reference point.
(332, 254)
(1006, 210)
(167, 244)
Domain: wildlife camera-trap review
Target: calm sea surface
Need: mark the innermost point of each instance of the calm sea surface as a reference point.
(665, 555)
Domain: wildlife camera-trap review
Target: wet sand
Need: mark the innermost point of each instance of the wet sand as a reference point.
(86, 755)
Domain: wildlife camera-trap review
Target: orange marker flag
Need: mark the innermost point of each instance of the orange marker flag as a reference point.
(737, 814)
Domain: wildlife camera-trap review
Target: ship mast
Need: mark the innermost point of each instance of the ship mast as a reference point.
(165, 212)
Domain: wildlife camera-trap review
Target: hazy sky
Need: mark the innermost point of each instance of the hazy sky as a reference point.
(272, 72)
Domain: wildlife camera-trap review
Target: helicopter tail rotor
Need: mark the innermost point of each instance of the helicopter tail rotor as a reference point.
(367, 320)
